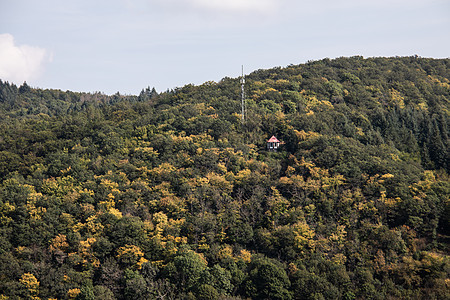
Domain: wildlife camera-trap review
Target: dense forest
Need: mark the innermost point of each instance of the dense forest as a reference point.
(171, 196)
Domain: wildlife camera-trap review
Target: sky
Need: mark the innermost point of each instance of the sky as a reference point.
(124, 46)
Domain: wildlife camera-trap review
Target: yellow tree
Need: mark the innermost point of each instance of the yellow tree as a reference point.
(31, 284)
(278, 205)
(131, 255)
(303, 237)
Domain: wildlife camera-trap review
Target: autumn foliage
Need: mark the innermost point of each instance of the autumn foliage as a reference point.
(171, 196)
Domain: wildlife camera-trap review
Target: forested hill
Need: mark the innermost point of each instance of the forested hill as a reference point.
(171, 196)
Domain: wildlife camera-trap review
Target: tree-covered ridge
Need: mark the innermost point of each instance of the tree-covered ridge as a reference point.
(171, 196)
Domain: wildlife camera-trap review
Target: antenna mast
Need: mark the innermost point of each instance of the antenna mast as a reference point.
(243, 95)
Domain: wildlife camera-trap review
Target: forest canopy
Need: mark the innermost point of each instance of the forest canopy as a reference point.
(171, 196)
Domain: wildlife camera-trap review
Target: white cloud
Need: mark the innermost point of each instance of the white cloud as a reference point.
(218, 6)
(20, 63)
(236, 5)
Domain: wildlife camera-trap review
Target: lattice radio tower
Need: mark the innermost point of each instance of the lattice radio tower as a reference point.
(243, 94)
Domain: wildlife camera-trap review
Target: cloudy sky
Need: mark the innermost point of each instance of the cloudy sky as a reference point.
(127, 45)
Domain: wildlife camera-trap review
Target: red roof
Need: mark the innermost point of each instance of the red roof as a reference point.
(273, 139)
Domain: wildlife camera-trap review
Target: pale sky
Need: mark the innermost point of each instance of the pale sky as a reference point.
(126, 45)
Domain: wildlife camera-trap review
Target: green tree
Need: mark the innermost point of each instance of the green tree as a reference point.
(189, 268)
(267, 280)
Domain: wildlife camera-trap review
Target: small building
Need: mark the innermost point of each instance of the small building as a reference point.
(273, 143)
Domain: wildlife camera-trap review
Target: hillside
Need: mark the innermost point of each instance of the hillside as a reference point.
(170, 196)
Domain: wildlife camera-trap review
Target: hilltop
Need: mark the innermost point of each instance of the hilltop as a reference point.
(171, 195)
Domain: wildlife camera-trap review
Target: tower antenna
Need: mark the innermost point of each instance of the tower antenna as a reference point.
(243, 95)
